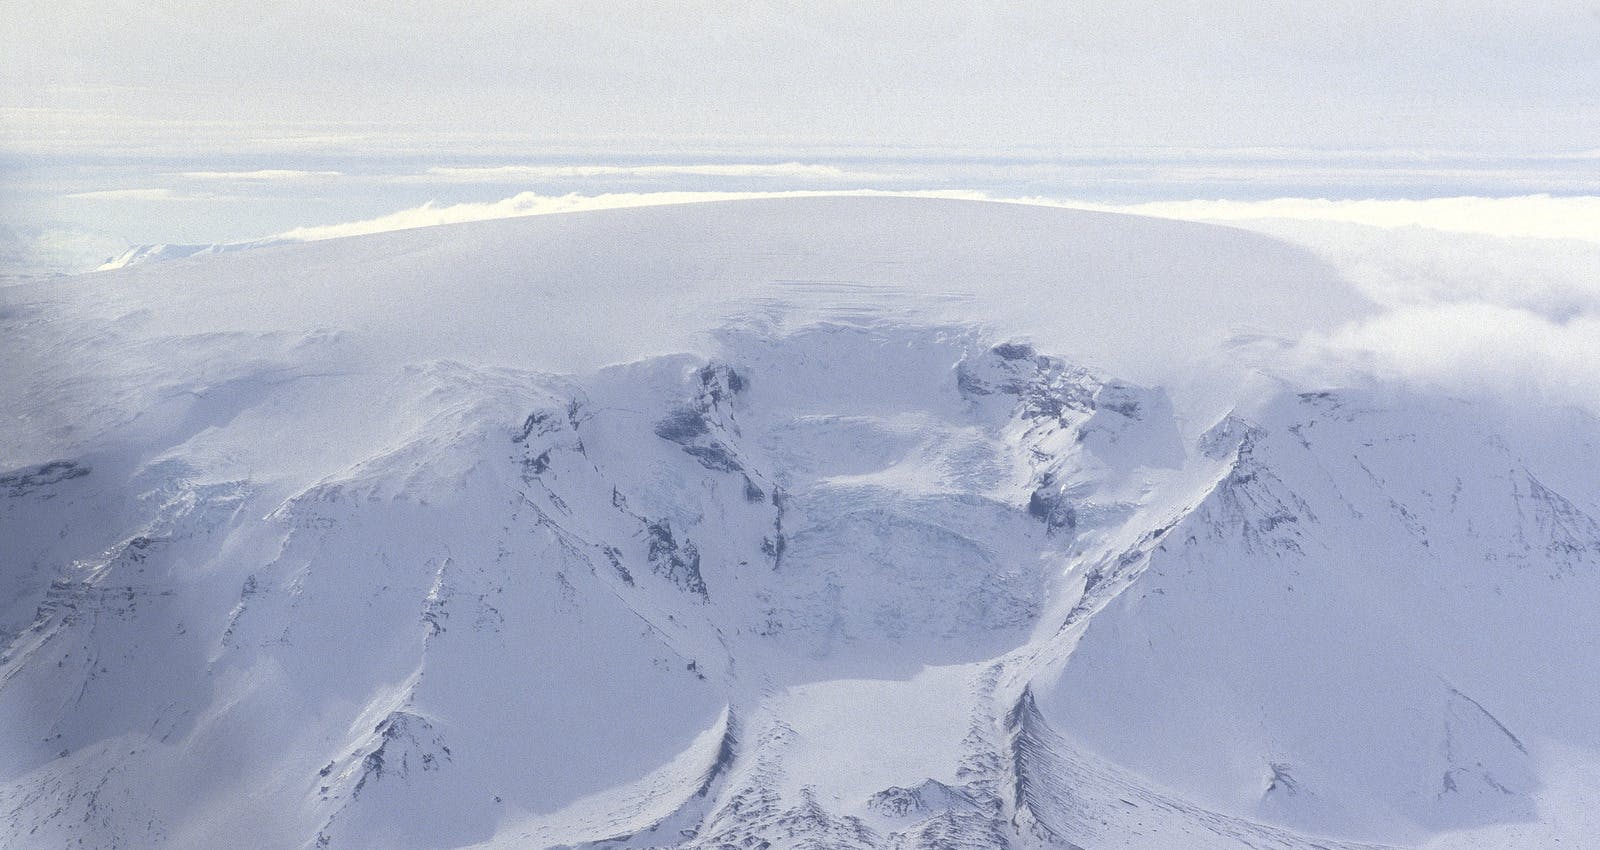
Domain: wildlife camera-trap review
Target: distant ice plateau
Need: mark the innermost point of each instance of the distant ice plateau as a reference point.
(832, 522)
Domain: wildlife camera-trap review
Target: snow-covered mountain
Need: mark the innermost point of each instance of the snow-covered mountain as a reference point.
(807, 523)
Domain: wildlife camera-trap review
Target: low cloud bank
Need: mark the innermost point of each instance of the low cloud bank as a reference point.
(140, 194)
(263, 175)
(1472, 349)
(776, 171)
(1495, 297)
(1542, 216)
(1480, 297)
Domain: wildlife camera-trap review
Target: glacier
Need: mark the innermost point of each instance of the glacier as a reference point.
(833, 522)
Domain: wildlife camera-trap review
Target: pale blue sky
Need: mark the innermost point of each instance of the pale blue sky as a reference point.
(92, 75)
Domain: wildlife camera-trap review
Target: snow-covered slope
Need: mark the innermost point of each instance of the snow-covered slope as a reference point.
(808, 523)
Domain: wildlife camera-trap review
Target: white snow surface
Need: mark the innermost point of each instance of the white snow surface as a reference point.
(806, 523)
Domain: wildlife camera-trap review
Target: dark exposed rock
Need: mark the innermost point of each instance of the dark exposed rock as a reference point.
(971, 385)
(677, 562)
(719, 382)
(407, 742)
(682, 425)
(614, 556)
(1013, 351)
(715, 457)
(538, 423)
(1053, 508)
(1120, 399)
(537, 465)
(774, 546)
(927, 798)
(24, 481)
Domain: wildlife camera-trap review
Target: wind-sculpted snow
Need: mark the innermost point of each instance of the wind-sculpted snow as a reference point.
(853, 580)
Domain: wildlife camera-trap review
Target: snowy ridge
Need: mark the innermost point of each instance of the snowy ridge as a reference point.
(852, 575)
(140, 254)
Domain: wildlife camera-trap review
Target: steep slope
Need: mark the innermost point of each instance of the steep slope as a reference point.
(361, 543)
(1362, 624)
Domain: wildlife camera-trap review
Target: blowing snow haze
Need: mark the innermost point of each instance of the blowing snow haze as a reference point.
(1000, 427)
